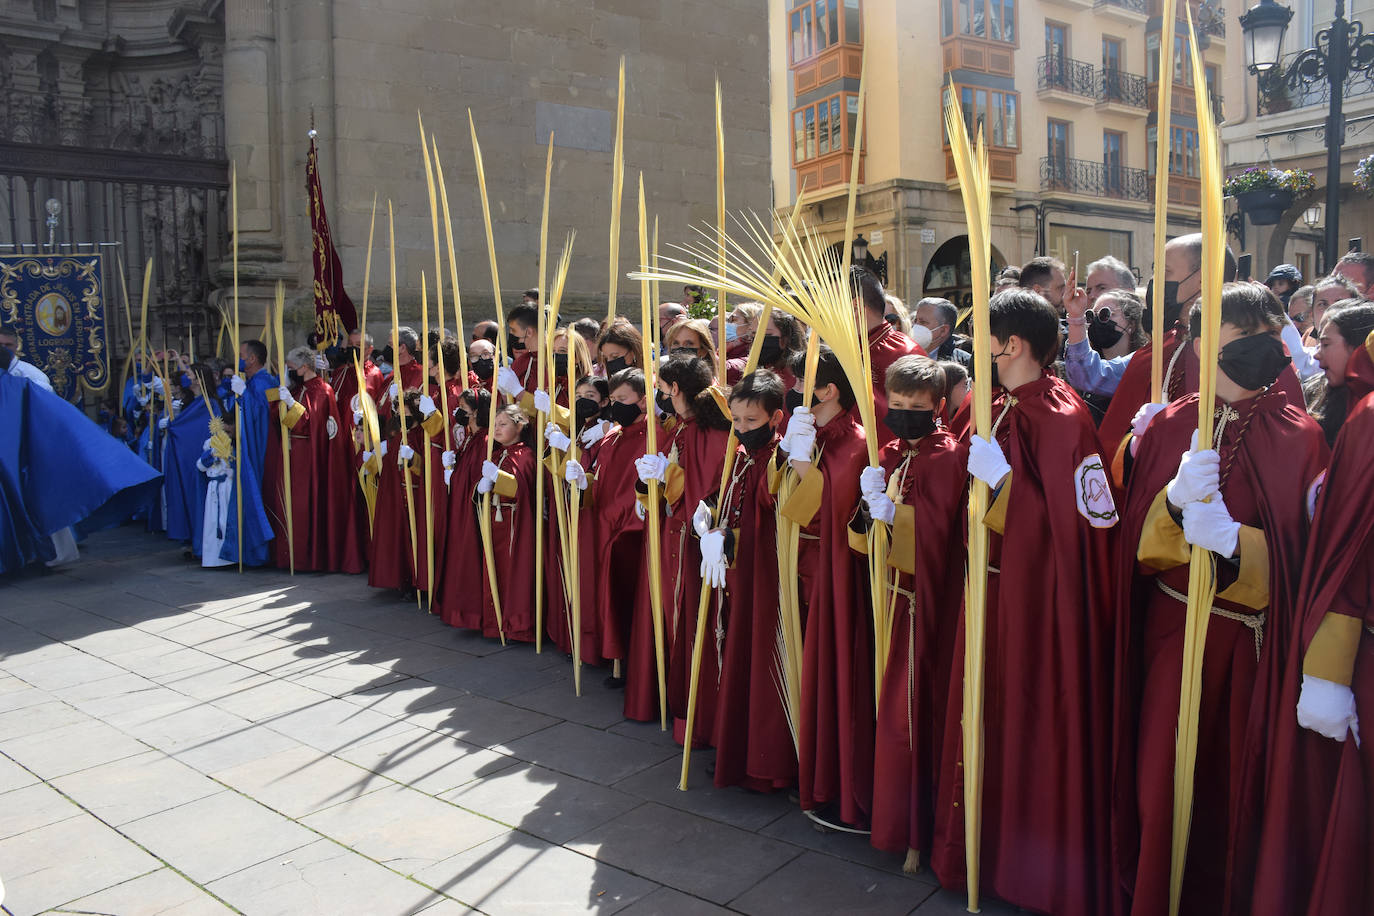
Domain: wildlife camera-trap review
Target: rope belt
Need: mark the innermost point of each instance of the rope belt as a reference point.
(1254, 621)
(905, 593)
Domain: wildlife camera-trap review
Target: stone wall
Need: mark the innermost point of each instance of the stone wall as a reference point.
(364, 68)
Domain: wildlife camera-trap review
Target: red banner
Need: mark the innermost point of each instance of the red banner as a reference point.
(334, 312)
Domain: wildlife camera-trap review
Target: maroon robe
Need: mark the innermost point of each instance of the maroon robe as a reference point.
(886, 345)
(1133, 391)
(526, 369)
(835, 734)
(1239, 685)
(327, 514)
(1047, 688)
(395, 561)
(619, 537)
(512, 544)
(754, 744)
(911, 708)
(344, 381)
(458, 598)
(559, 624)
(1317, 842)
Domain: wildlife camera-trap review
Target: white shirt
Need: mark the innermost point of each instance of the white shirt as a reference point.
(29, 371)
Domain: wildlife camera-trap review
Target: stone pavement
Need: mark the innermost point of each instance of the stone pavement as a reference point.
(183, 741)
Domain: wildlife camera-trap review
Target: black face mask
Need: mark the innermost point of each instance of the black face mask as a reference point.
(1103, 335)
(910, 424)
(615, 365)
(755, 439)
(1253, 362)
(665, 404)
(560, 364)
(996, 380)
(793, 399)
(587, 410)
(461, 417)
(515, 345)
(295, 378)
(624, 414)
(770, 350)
(1170, 302)
(483, 367)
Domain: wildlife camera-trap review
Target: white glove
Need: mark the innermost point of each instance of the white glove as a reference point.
(485, 486)
(872, 480)
(367, 456)
(652, 467)
(1143, 416)
(881, 507)
(321, 362)
(449, 459)
(405, 453)
(593, 434)
(490, 471)
(574, 473)
(162, 423)
(1327, 708)
(800, 438)
(393, 392)
(448, 477)
(509, 383)
(383, 447)
(986, 461)
(556, 437)
(1210, 526)
(284, 394)
(357, 418)
(542, 402)
(426, 406)
(236, 384)
(713, 559)
(1198, 477)
(701, 519)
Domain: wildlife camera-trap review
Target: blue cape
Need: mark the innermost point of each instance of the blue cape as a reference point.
(184, 491)
(59, 470)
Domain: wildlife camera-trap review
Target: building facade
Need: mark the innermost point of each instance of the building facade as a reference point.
(1285, 126)
(1063, 90)
(130, 116)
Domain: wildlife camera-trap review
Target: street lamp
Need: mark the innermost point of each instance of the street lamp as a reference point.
(860, 249)
(1341, 48)
(1312, 215)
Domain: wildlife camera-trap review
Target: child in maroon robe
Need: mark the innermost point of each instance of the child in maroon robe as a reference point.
(1245, 497)
(1046, 660)
(609, 500)
(396, 560)
(457, 598)
(827, 450)
(754, 745)
(509, 477)
(326, 506)
(688, 465)
(920, 491)
(1317, 850)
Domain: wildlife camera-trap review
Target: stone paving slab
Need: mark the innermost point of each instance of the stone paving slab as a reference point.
(182, 741)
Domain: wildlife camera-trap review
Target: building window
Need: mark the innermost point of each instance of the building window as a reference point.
(1114, 161)
(991, 19)
(824, 127)
(1152, 57)
(1111, 55)
(817, 25)
(1183, 62)
(1183, 151)
(994, 113)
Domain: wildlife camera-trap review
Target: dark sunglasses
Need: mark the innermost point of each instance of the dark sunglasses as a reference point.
(1102, 315)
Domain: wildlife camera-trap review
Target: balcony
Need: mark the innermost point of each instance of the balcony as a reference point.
(1094, 179)
(1129, 11)
(1122, 92)
(967, 52)
(1281, 89)
(1066, 80)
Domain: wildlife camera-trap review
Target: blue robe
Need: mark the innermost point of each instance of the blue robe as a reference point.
(59, 470)
(256, 412)
(184, 488)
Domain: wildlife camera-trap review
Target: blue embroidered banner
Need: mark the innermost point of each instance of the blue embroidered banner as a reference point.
(55, 304)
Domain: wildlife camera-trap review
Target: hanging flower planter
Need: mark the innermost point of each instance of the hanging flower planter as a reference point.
(1364, 175)
(1263, 194)
(1265, 206)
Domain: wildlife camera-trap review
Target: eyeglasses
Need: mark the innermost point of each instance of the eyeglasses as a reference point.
(1102, 315)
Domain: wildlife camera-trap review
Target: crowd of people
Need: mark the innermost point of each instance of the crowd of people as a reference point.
(1099, 494)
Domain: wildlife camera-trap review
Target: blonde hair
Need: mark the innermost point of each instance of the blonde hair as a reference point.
(702, 327)
(577, 345)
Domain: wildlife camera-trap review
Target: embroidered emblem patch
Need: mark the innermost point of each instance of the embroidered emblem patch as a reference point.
(332, 427)
(1094, 494)
(1314, 492)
